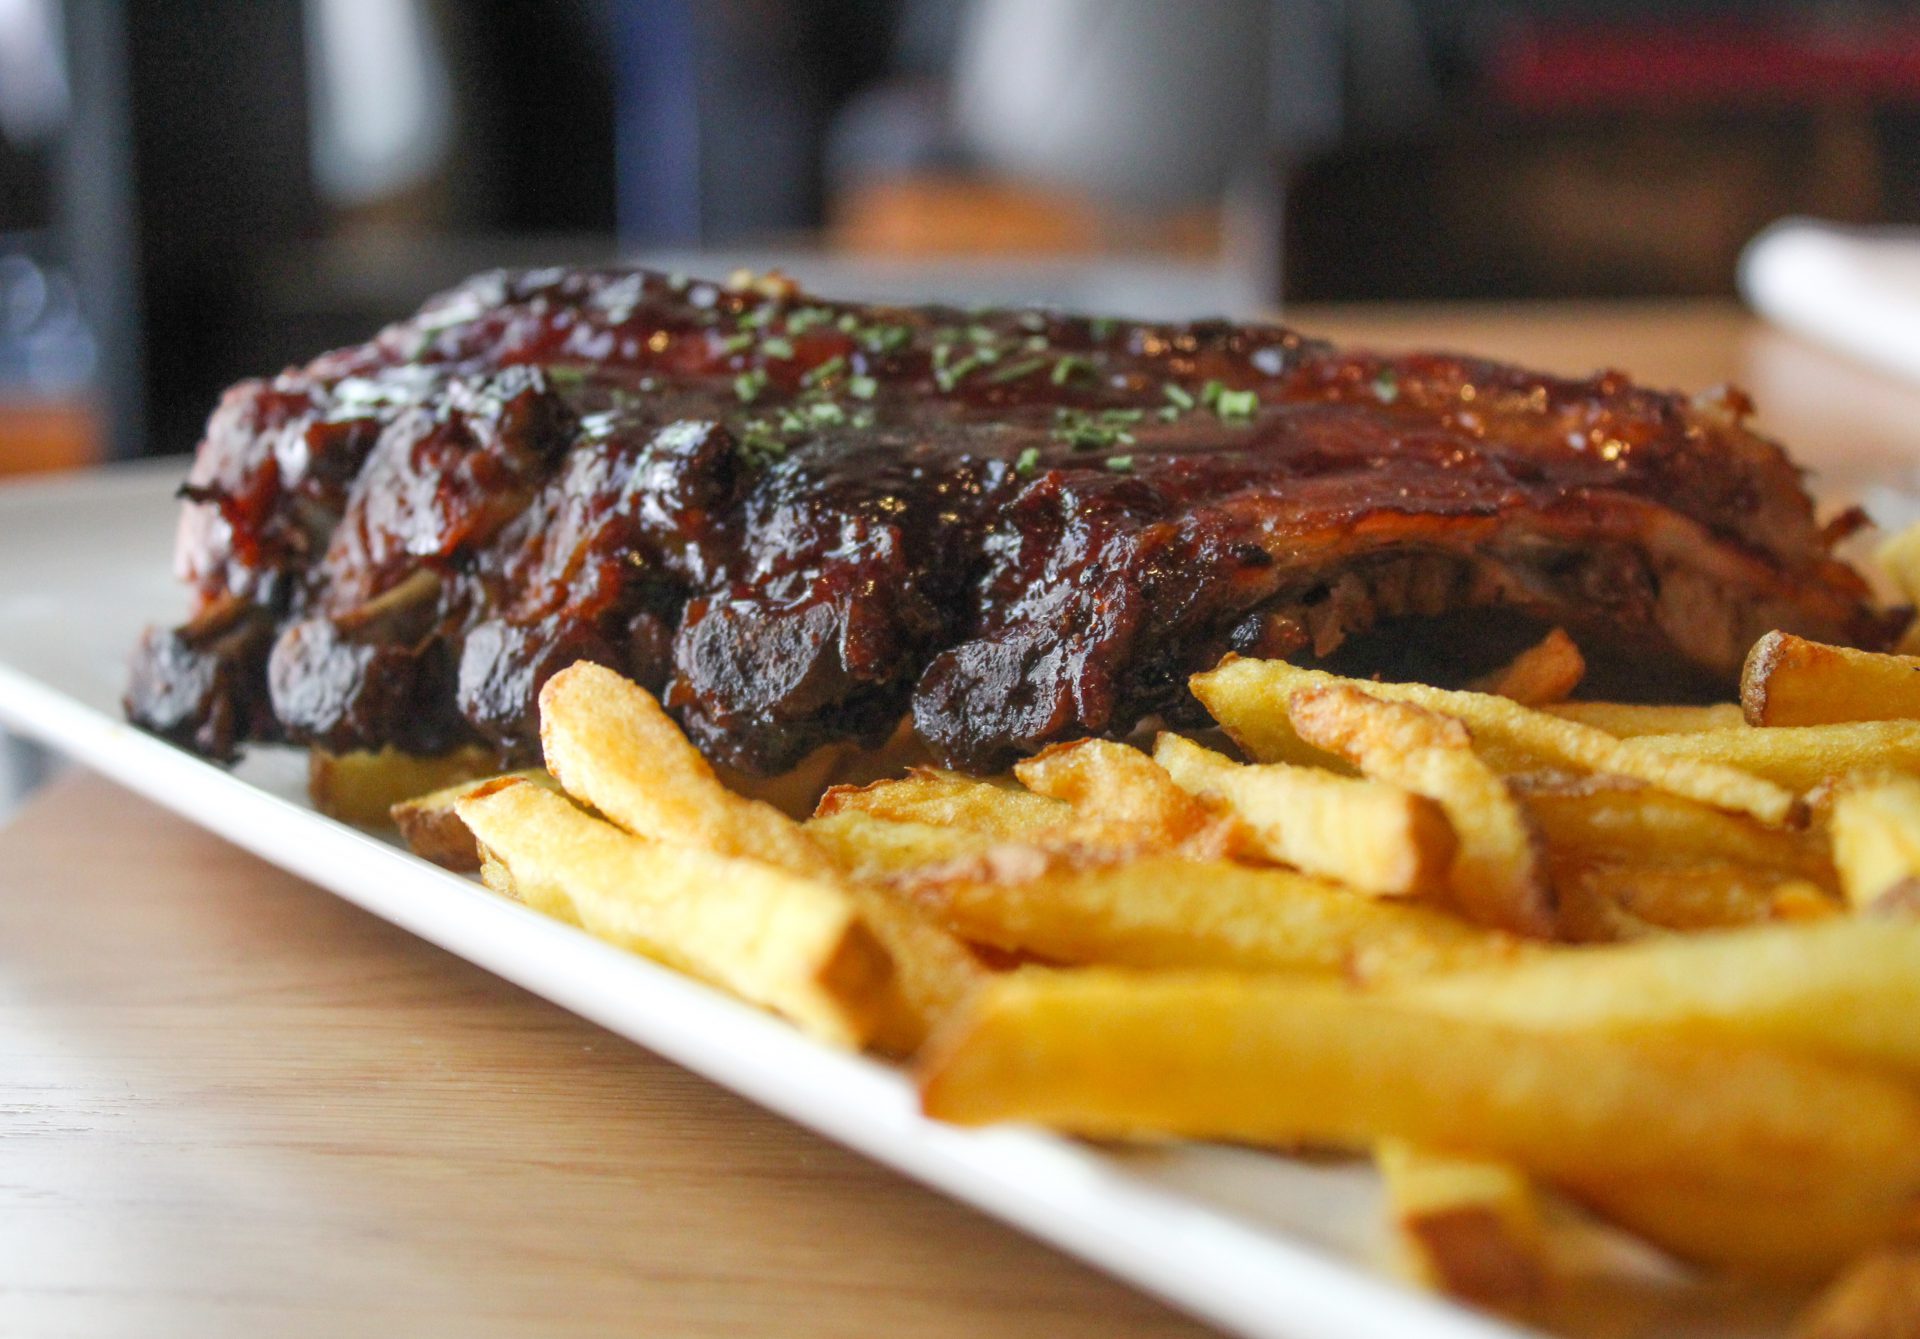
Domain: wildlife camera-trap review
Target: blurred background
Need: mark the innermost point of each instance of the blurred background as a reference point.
(193, 192)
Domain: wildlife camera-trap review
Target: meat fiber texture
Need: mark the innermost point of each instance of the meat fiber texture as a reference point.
(802, 521)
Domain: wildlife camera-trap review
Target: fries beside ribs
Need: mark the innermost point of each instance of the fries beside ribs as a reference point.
(1655, 968)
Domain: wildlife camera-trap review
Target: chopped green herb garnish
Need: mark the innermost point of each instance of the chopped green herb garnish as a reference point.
(983, 334)
(754, 317)
(848, 323)
(759, 444)
(826, 412)
(777, 347)
(1024, 367)
(1211, 392)
(1085, 431)
(1171, 414)
(863, 419)
(806, 318)
(862, 388)
(1236, 404)
(1031, 320)
(1179, 396)
(1386, 386)
(1027, 462)
(826, 371)
(1036, 344)
(738, 343)
(949, 377)
(566, 374)
(1120, 464)
(748, 385)
(1101, 327)
(886, 338)
(1070, 366)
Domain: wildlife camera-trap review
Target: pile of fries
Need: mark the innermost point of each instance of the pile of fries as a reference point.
(1545, 961)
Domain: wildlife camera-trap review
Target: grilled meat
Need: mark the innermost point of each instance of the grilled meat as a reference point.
(800, 521)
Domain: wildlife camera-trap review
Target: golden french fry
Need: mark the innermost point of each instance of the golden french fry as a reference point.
(1777, 1238)
(1796, 757)
(1875, 828)
(1286, 1061)
(1169, 911)
(1370, 836)
(949, 799)
(1249, 698)
(1588, 908)
(1846, 988)
(791, 944)
(1496, 876)
(874, 850)
(1472, 1226)
(431, 827)
(1789, 680)
(1878, 1297)
(362, 788)
(1694, 895)
(1625, 720)
(933, 972)
(1119, 788)
(610, 744)
(1609, 818)
(1546, 672)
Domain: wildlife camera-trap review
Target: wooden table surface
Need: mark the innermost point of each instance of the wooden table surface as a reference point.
(233, 1105)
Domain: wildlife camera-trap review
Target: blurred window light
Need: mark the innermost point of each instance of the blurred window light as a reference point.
(33, 71)
(382, 98)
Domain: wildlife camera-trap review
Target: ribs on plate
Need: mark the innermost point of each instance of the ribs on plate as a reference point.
(801, 522)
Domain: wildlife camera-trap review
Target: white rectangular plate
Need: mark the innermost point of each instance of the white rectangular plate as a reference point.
(1259, 1245)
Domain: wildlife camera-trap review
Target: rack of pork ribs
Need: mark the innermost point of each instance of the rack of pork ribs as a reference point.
(803, 522)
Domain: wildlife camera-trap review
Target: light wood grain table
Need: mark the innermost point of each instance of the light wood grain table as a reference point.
(233, 1105)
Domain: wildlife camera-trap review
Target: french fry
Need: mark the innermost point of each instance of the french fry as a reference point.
(950, 799)
(1875, 828)
(874, 850)
(1169, 911)
(610, 744)
(1372, 837)
(1847, 988)
(1249, 698)
(1472, 1226)
(1789, 680)
(1496, 876)
(1589, 910)
(1778, 1238)
(791, 944)
(362, 788)
(1795, 757)
(1286, 1061)
(1625, 720)
(1546, 672)
(430, 825)
(1878, 1297)
(1608, 818)
(933, 972)
(1117, 787)
(1692, 895)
